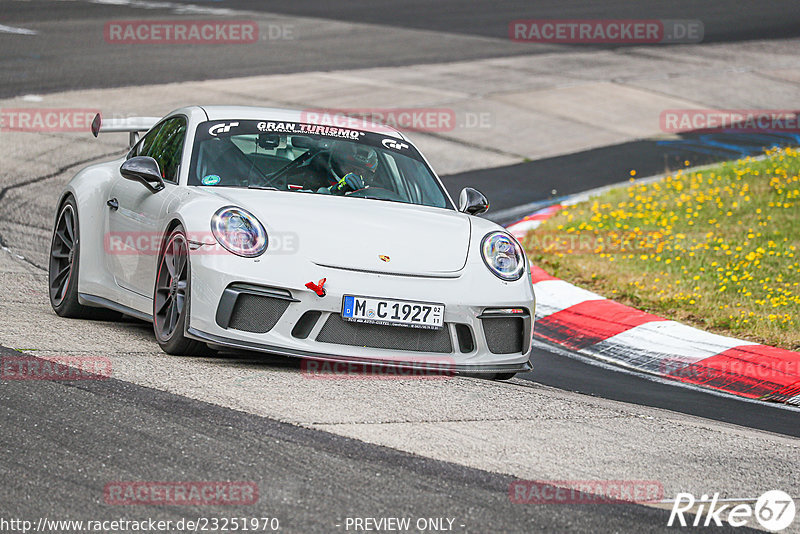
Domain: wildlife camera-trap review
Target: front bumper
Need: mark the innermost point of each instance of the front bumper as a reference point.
(399, 361)
(467, 295)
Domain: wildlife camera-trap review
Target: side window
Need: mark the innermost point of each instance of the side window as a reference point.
(165, 145)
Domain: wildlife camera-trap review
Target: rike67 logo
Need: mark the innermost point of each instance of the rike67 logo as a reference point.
(774, 511)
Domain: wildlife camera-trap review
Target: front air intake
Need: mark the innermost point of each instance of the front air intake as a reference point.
(337, 330)
(252, 308)
(253, 313)
(504, 335)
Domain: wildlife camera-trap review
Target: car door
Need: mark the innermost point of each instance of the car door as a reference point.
(136, 215)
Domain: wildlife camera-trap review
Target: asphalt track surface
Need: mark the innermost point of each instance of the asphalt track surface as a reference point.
(555, 369)
(723, 20)
(70, 45)
(506, 187)
(69, 439)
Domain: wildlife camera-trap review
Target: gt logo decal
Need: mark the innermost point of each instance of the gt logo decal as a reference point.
(387, 259)
(391, 143)
(222, 128)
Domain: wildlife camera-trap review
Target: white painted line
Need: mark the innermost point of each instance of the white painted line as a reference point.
(16, 31)
(178, 8)
(6, 249)
(524, 210)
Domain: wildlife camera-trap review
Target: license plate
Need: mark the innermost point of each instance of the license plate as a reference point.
(393, 312)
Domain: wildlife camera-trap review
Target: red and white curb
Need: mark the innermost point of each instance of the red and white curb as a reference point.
(602, 329)
(520, 228)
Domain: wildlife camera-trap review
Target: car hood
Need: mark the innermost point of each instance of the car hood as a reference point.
(359, 234)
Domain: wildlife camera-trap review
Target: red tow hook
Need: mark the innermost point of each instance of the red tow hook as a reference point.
(318, 288)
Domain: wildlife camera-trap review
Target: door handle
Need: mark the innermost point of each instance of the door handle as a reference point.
(113, 204)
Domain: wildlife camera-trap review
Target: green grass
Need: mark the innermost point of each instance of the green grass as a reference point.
(716, 249)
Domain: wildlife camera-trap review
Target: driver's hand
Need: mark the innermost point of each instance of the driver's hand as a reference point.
(350, 182)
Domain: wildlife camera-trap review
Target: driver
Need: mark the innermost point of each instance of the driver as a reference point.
(356, 164)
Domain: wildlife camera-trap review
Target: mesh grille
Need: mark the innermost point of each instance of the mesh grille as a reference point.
(337, 330)
(254, 313)
(503, 334)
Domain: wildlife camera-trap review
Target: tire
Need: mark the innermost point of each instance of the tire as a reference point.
(64, 267)
(171, 298)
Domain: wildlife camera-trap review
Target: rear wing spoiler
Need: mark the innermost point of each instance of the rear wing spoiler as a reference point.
(132, 125)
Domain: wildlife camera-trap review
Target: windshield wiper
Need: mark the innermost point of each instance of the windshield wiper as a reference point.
(383, 199)
(263, 187)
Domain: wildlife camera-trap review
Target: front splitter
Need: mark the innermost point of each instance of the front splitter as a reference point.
(400, 363)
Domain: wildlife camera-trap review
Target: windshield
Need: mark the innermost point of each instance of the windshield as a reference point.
(308, 158)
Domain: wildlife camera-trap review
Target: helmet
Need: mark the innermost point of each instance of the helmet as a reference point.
(354, 157)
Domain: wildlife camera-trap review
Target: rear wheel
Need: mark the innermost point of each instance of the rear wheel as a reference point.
(64, 266)
(171, 298)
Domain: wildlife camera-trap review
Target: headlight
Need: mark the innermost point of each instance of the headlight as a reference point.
(503, 255)
(239, 232)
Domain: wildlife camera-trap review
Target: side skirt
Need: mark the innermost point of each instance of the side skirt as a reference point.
(100, 302)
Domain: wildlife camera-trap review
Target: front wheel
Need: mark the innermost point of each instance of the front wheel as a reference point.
(171, 297)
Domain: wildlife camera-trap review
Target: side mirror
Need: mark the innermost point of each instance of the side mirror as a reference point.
(143, 169)
(472, 202)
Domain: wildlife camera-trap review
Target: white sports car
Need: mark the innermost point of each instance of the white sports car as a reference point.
(254, 228)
